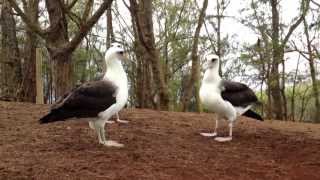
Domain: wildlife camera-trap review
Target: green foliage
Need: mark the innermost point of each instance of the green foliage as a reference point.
(304, 101)
(304, 109)
(86, 65)
(174, 24)
(174, 39)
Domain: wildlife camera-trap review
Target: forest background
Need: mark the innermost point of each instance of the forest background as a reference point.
(49, 47)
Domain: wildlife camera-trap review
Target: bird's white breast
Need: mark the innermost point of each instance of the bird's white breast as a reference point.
(118, 76)
(210, 96)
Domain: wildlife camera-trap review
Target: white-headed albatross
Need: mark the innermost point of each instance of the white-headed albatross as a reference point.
(226, 98)
(97, 100)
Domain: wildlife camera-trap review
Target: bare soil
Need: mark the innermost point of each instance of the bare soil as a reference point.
(158, 145)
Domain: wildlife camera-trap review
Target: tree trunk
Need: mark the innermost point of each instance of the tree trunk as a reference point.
(61, 74)
(39, 77)
(263, 69)
(57, 37)
(143, 86)
(278, 98)
(283, 87)
(194, 81)
(29, 65)
(154, 56)
(313, 73)
(274, 79)
(10, 64)
(142, 13)
(59, 46)
(219, 17)
(143, 79)
(110, 34)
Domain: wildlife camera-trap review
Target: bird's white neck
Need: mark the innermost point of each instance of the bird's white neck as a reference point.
(211, 76)
(116, 73)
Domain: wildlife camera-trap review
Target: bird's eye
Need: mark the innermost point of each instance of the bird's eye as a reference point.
(213, 59)
(118, 46)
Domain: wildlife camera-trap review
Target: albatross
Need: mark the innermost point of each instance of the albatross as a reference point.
(97, 100)
(227, 99)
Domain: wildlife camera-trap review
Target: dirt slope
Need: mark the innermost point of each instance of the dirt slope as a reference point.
(159, 145)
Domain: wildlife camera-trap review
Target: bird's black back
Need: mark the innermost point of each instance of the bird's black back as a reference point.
(86, 100)
(237, 94)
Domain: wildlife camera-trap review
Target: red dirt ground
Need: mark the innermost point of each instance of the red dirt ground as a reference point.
(158, 145)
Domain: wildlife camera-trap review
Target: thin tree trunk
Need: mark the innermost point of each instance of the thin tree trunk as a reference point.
(219, 35)
(110, 34)
(304, 104)
(39, 77)
(10, 63)
(194, 81)
(283, 87)
(29, 66)
(263, 72)
(293, 98)
(313, 73)
(274, 79)
(142, 13)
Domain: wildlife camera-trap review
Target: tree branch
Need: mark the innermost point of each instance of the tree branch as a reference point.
(70, 6)
(134, 10)
(74, 18)
(194, 80)
(302, 53)
(316, 3)
(305, 7)
(199, 25)
(33, 26)
(86, 27)
(316, 51)
(87, 10)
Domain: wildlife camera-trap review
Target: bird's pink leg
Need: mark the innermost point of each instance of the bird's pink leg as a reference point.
(215, 133)
(225, 139)
(121, 121)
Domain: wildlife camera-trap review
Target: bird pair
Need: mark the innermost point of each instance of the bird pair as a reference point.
(99, 100)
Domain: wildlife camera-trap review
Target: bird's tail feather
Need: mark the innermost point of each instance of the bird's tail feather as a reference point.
(46, 119)
(253, 115)
(52, 116)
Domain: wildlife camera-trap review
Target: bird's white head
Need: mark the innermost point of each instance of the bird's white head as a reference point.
(114, 53)
(211, 69)
(212, 61)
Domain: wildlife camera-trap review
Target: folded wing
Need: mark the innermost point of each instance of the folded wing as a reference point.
(86, 100)
(237, 94)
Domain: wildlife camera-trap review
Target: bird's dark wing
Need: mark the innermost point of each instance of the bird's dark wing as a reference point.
(237, 94)
(86, 100)
(96, 95)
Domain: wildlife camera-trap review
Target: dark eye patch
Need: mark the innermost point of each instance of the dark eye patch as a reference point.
(213, 59)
